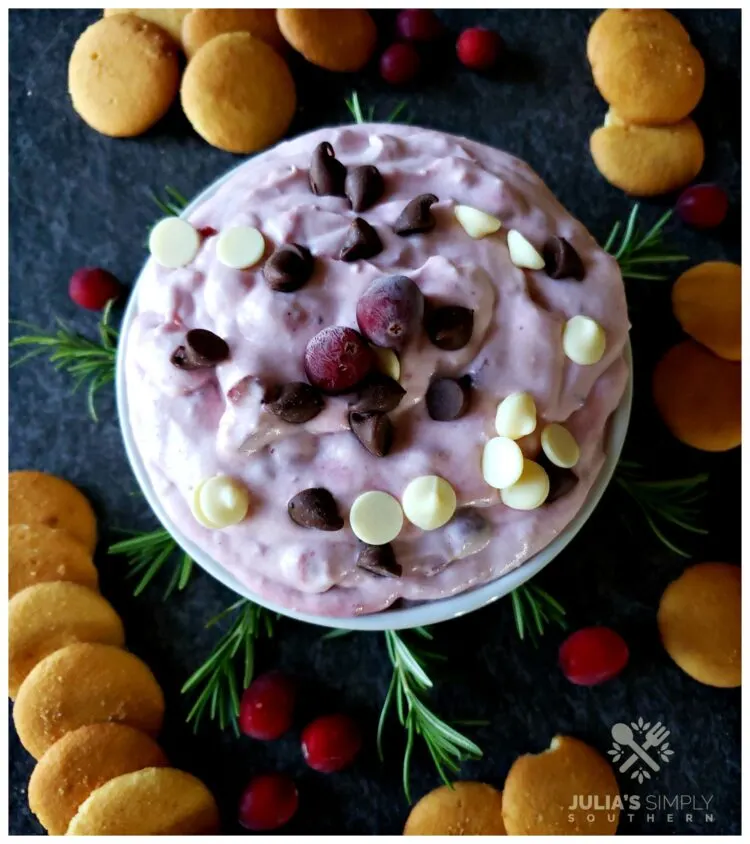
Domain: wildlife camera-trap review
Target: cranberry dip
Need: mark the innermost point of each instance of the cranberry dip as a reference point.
(376, 365)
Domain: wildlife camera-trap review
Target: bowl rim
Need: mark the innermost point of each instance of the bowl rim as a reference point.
(401, 618)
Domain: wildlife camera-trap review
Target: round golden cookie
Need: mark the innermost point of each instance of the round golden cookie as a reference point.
(123, 74)
(612, 24)
(35, 498)
(154, 801)
(40, 554)
(540, 789)
(170, 20)
(466, 808)
(49, 616)
(700, 621)
(201, 25)
(238, 93)
(85, 684)
(650, 75)
(707, 301)
(336, 39)
(699, 397)
(82, 761)
(647, 160)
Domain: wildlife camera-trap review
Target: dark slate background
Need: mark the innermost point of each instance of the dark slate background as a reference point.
(77, 198)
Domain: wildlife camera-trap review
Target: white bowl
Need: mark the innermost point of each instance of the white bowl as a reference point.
(430, 612)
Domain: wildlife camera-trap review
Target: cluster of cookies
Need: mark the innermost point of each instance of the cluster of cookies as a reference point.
(537, 797)
(652, 77)
(85, 708)
(697, 385)
(237, 91)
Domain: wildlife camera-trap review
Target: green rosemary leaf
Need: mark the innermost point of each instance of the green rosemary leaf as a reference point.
(636, 250)
(247, 622)
(384, 715)
(68, 351)
(396, 112)
(409, 683)
(674, 502)
(533, 608)
(335, 634)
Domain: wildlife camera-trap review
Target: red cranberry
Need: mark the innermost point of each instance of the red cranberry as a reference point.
(418, 25)
(337, 359)
(331, 743)
(592, 655)
(390, 311)
(93, 287)
(268, 802)
(703, 206)
(478, 48)
(207, 231)
(267, 706)
(400, 64)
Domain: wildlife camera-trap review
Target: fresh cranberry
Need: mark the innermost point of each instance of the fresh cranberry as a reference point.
(207, 231)
(268, 802)
(418, 25)
(267, 706)
(593, 655)
(478, 48)
(390, 311)
(703, 206)
(331, 743)
(400, 64)
(337, 359)
(93, 287)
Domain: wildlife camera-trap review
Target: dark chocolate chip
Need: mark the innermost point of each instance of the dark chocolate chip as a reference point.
(288, 268)
(449, 327)
(447, 399)
(379, 560)
(417, 217)
(378, 394)
(296, 402)
(361, 242)
(561, 481)
(374, 431)
(202, 350)
(561, 260)
(363, 186)
(327, 173)
(315, 508)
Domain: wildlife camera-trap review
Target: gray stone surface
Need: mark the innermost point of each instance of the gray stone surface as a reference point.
(77, 198)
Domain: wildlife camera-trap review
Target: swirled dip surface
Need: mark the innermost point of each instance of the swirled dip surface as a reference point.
(187, 428)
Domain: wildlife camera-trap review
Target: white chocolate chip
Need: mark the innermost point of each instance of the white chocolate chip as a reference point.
(476, 223)
(173, 242)
(429, 502)
(529, 491)
(584, 340)
(502, 462)
(387, 362)
(240, 247)
(560, 445)
(376, 518)
(220, 501)
(522, 253)
(516, 416)
(198, 513)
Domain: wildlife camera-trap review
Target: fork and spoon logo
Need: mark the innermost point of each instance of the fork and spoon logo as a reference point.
(639, 737)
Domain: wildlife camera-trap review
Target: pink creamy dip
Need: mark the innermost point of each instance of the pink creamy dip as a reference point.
(187, 429)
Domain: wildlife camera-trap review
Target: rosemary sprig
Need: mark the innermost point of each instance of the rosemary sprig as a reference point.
(533, 608)
(86, 360)
(664, 504)
(148, 553)
(173, 203)
(637, 250)
(409, 683)
(215, 683)
(355, 109)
